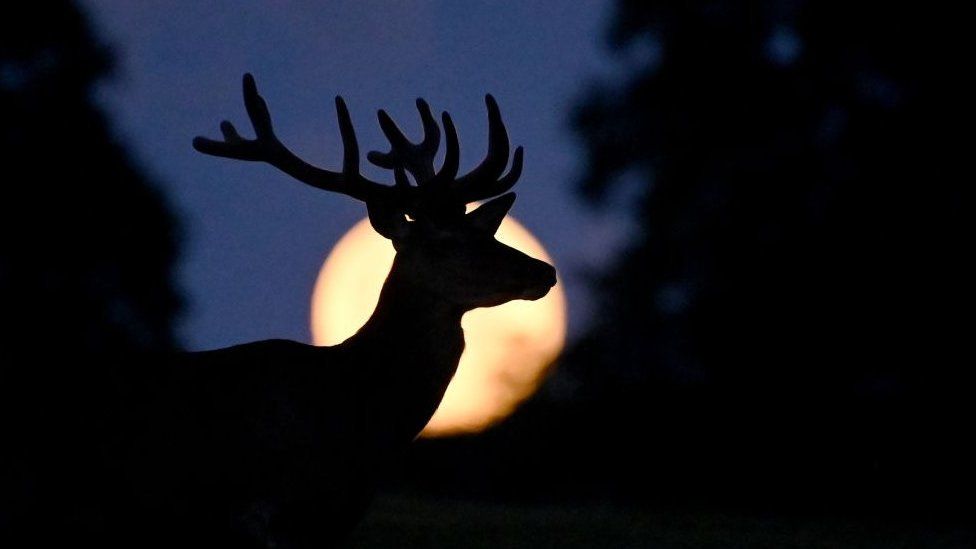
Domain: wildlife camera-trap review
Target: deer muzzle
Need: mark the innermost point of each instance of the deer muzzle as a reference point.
(543, 277)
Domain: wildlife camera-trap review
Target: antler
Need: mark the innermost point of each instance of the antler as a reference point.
(437, 193)
(266, 147)
(485, 181)
(416, 158)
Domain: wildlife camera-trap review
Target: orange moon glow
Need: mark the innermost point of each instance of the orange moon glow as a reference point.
(508, 350)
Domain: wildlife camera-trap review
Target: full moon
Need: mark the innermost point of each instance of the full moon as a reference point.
(508, 349)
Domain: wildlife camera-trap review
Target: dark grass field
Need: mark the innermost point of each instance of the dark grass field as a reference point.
(414, 522)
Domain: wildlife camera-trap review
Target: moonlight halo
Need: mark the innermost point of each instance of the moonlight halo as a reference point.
(508, 350)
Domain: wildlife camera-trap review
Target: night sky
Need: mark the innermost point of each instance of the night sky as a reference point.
(253, 240)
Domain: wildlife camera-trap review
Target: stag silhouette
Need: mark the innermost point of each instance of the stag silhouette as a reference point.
(276, 443)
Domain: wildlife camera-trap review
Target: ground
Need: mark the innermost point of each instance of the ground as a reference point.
(412, 522)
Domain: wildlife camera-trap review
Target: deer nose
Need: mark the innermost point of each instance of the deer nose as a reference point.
(549, 275)
(544, 274)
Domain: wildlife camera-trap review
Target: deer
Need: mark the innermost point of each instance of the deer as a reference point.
(279, 444)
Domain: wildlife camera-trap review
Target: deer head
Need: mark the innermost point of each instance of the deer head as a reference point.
(441, 249)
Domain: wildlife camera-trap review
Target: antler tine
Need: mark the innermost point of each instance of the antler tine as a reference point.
(486, 180)
(491, 188)
(266, 147)
(452, 151)
(417, 158)
(497, 158)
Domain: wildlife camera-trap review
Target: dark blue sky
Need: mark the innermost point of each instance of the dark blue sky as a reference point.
(254, 239)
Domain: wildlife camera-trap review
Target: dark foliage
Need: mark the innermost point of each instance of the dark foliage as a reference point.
(800, 263)
(800, 235)
(87, 243)
(87, 246)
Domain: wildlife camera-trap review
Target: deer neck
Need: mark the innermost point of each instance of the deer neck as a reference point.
(414, 336)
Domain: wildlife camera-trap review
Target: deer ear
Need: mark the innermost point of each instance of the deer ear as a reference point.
(489, 216)
(388, 221)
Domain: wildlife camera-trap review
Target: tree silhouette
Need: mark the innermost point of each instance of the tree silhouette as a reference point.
(87, 246)
(87, 243)
(797, 233)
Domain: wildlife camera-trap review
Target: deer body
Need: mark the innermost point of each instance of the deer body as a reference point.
(298, 433)
(301, 432)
